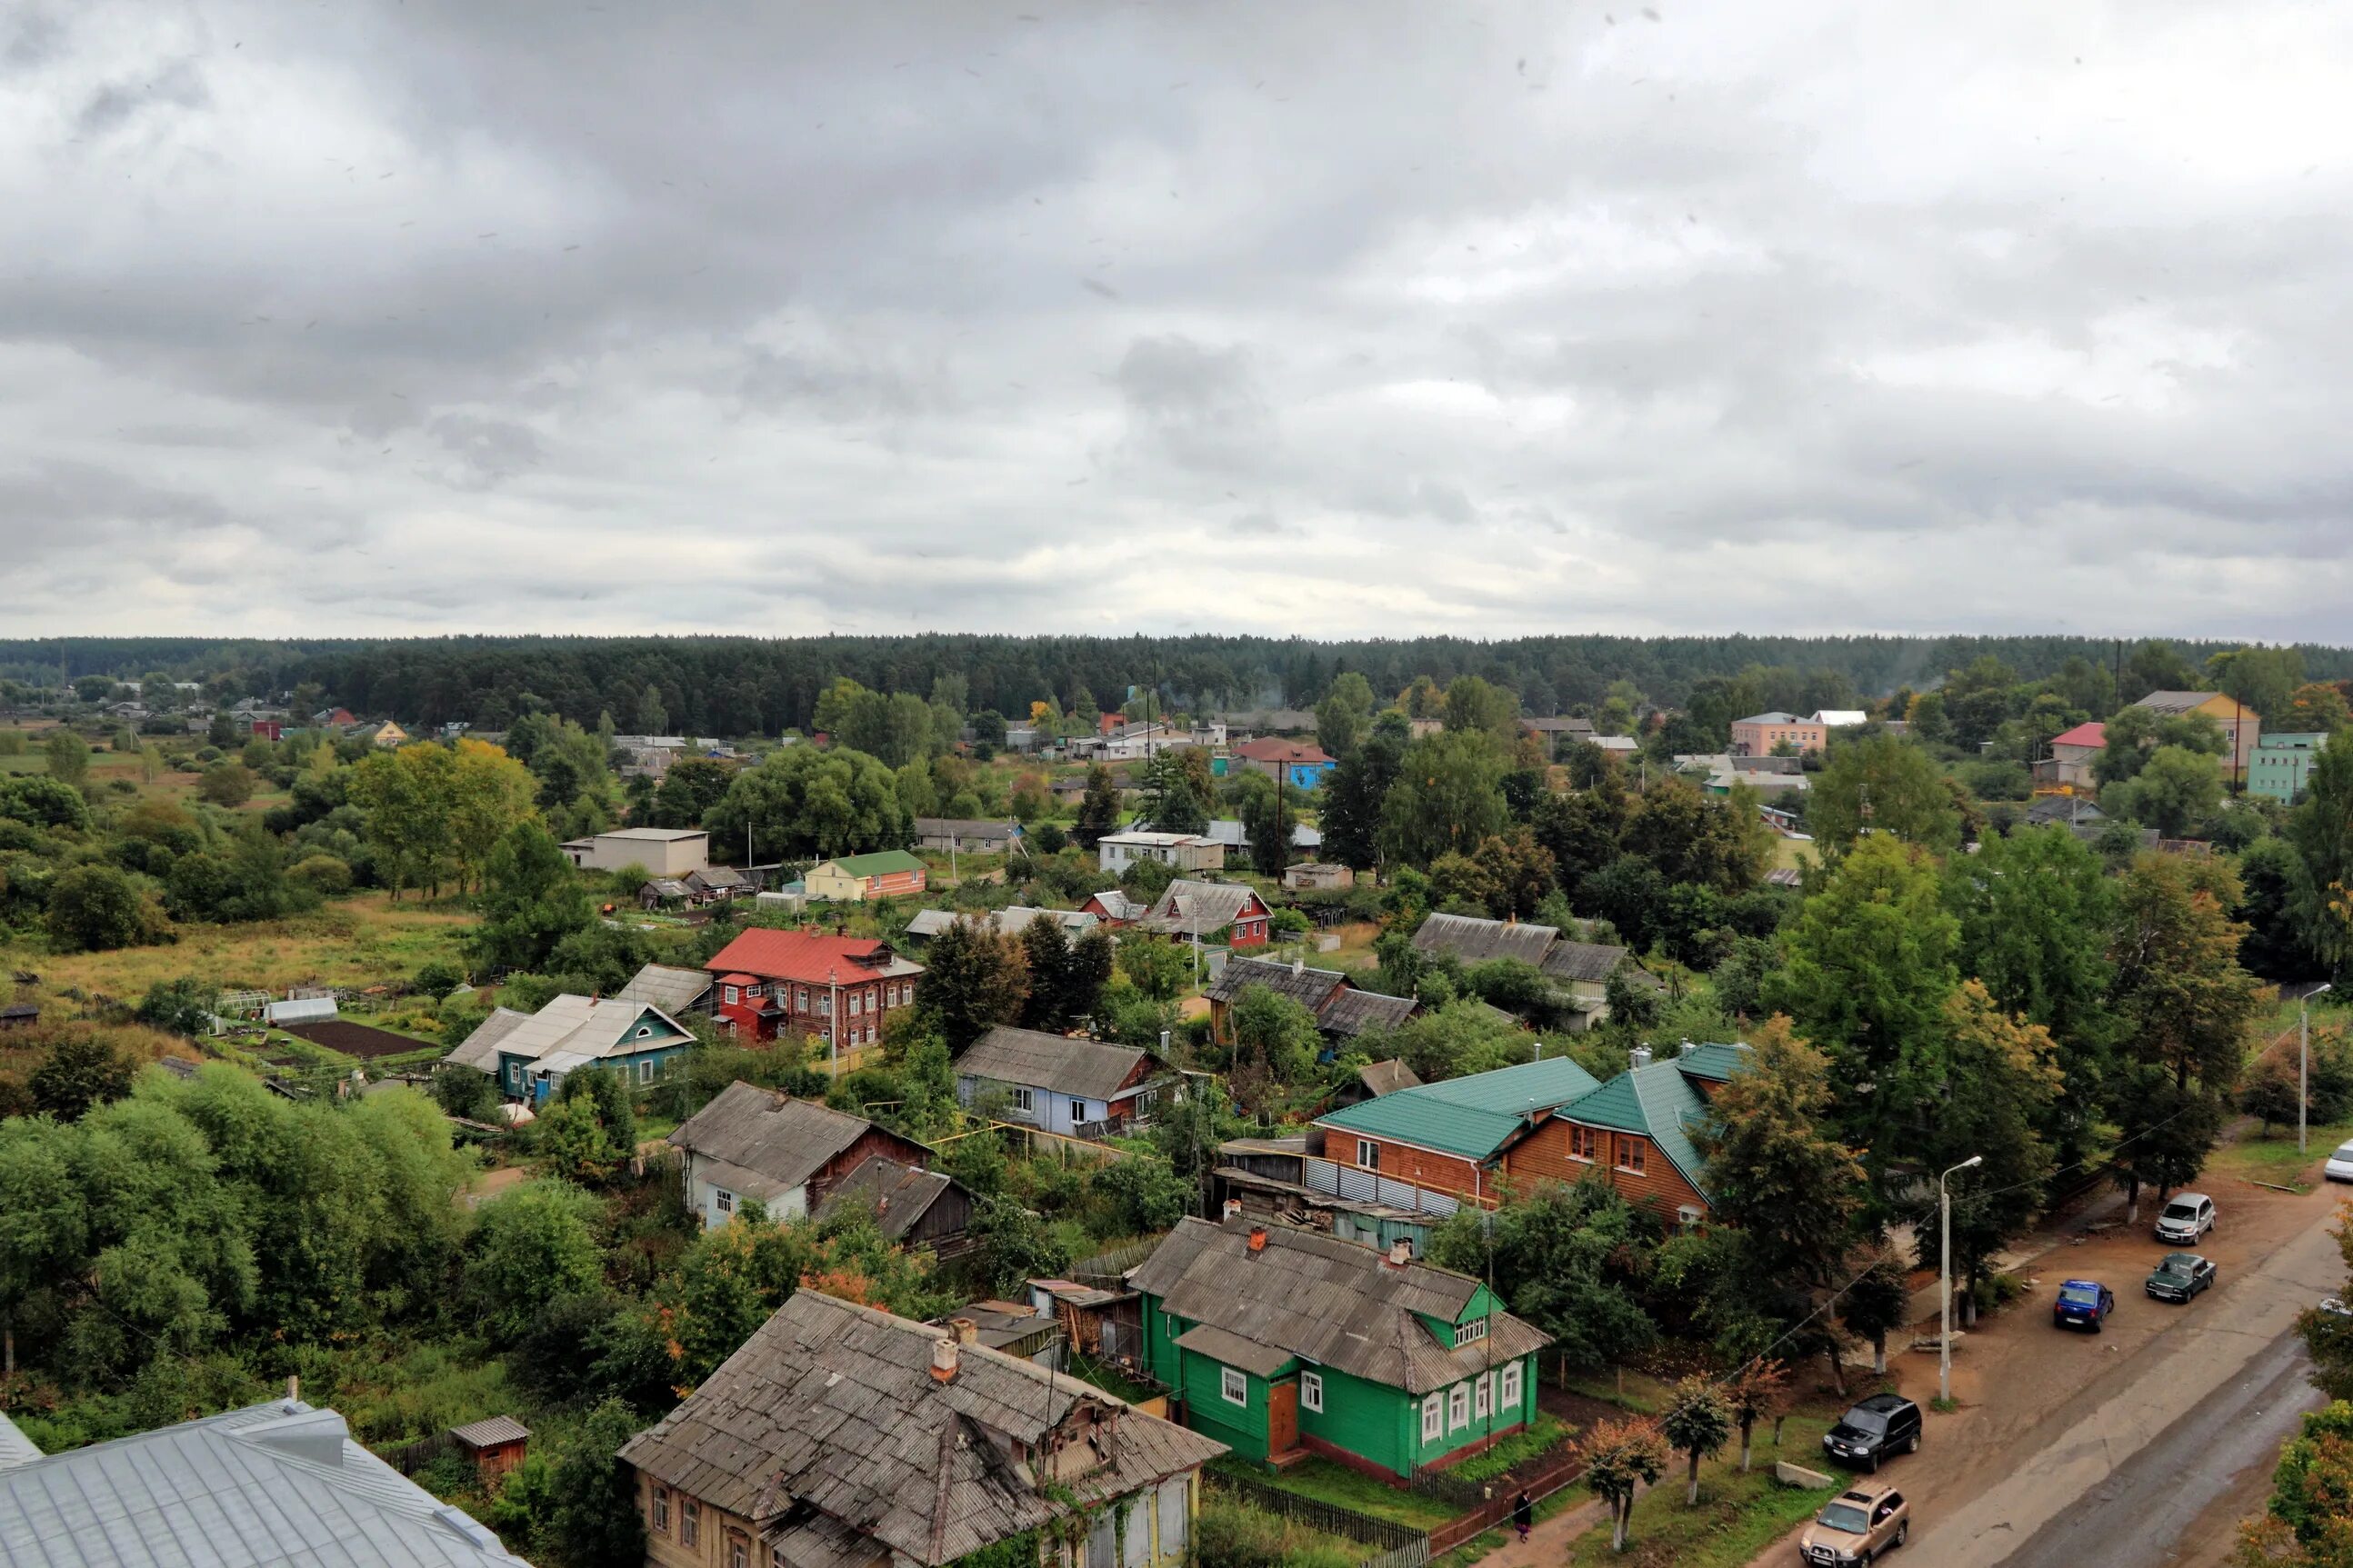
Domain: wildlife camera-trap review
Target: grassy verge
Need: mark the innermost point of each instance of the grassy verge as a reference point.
(2275, 1159)
(1635, 1391)
(1738, 1517)
(1336, 1484)
(1544, 1434)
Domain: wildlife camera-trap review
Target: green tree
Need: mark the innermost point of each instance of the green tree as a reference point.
(2174, 790)
(532, 900)
(1046, 954)
(81, 1069)
(802, 803)
(573, 1140)
(592, 1519)
(2309, 1518)
(1568, 1258)
(1693, 838)
(2262, 679)
(1697, 1423)
(1878, 1303)
(1098, 808)
(1092, 959)
(1352, 795)
(1475, 707)
(1154, 965)
(2321, 829)
(2317, 709)
(226, 783)
(69, 758)
(1011, 1245)
(1147, 1195)
(1447, 798)
(973, 979)
(93, 908)
(1275, 1042)
(529, 1248)
(1884, 785)
(405, 797)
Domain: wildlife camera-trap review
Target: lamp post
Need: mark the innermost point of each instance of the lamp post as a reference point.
(1945, 1277)
(2304, 1057)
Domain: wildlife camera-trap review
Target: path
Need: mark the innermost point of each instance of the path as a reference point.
(1548, 1543)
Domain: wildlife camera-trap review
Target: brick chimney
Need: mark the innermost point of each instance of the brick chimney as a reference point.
(1258, 1238)
(944, 1360)
(1400, 1253)
(964, 1330)
(1233, 1208)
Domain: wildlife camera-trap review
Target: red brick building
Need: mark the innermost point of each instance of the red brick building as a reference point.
(835, 988)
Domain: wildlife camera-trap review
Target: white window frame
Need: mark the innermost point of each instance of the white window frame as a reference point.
(801, 997)
(1368, 1154)
(1233, 1383)
(690, 1523)
(1078, 1111)
(1507, 1388)
(731, 993)
(1476, 1329)
(1482, 1397)
(658, 1507)
(722, 1201)
(1457, 1407)
(1433, 1418)
(646, 1071)
(1311, 1392)
(1025, 1099)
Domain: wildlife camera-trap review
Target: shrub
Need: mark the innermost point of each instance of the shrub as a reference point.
(322, 874)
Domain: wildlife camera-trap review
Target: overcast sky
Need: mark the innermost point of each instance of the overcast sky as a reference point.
(442, 315)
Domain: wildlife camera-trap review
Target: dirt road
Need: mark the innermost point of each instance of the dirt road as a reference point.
(2050, 1419)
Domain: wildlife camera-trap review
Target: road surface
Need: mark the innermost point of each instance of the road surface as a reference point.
(2148, 1511)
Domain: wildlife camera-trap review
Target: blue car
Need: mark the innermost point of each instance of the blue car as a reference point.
(2082, 1304)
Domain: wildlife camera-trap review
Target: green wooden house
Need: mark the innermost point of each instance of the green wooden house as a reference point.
(1281, 1342)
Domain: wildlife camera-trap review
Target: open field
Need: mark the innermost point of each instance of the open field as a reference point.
(359, 940)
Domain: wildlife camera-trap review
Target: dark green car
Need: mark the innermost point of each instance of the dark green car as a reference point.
(2181, 1276)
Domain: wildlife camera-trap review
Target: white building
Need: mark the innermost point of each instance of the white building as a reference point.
(662, 851)
(1116, 852)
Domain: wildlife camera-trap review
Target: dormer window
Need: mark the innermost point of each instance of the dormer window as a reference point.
(1476, 1329)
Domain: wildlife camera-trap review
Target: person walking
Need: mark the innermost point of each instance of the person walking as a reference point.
(1523, 1514)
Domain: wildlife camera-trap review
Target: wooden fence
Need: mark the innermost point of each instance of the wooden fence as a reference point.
(1393, 1545)
(1493, 1510)
(1105, 1269)
(410, 1458)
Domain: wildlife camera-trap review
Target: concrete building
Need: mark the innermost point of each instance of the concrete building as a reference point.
(2282, 761)
(2242, 725)
(662, 851)
(853, 879)
(1116, 852)
(1757, 735)
(2072, 753)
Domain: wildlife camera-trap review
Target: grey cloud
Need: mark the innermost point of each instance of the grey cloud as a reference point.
(489, 451)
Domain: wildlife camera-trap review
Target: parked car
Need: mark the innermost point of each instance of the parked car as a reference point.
(2181, 1275)
(2082, 1304)
(2341, 1164)
(1882, 1424)
(2335, 1307)
(2188, 1217)
(1856, 1526)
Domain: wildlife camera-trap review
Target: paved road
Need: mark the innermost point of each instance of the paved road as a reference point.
(2143, 1513)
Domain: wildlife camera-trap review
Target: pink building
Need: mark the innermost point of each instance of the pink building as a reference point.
(1757, 735)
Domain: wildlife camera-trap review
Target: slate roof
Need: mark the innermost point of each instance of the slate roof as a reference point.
(1351, 1012)
(1333, 1303)
(1087, 1069)
(1589, 962)
(764, 1142)
(1012, 920)
(962, 828)
(897, 1195)
(668, 888)
(1118, 906)
(1311, 988)
(581, 1027)
(1471, 1117)
(830, 1411)
(2175, 701)
(490, 1434)
(1188, 908)
(1475, 941)
(271, 1486)
(1387, 1078)
(672, 990)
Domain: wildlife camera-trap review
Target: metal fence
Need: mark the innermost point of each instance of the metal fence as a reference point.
(1394, 1545)
(1359, 1185)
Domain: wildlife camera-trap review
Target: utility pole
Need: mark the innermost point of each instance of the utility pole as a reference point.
(2304, 1058)
(1944, 1279)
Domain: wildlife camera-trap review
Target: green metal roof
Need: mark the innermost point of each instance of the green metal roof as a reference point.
(1715, 1062)
(1657, 1100)
(881, 863)
(1471, 1117)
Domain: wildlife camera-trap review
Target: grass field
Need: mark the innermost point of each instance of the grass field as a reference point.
(1328, 1482)
(1738, 1517)
(358, 940)
(2256, 1158)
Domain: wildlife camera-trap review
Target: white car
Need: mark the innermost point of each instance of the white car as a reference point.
(2341, 1164)
(2189, 1216)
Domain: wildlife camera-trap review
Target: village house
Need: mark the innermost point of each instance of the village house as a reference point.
(276, 1483)
(1200, 912)
(761, 1145)
(1114, 908)
(677, 992)
(2282, 761)
(1471, 940)
(1342, 1012)
(1319, 877)
(843, 1436)
(965, 834)
(1116, 852)
(530, 1054)
(659, 851)
(1581, 972)
(836, 989)
(853, 879)
(2242, 726)
(1081, 1088)
(1759, 733)
(910, 1206)
(1301, 762)
(1011, 920)
(1473, 1137)
(2072, 753)
(1283, 1343)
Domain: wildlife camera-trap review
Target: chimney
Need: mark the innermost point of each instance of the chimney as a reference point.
(943, 1360)
(965, 1331)
(1683, 1049)
(1233, 1208)
(1401, 1252)
(1299, 965)
(1258, 1238)
(1639, 1056)
(293, 1391)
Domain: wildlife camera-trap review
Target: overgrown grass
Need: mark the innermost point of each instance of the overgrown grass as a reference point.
(1738, 1517)
(359, 940)
(1111, 1380)
(1233, 1535)
(2275, 1159)
(1336, 1484)
(1635, 1391)
(1543, 1434)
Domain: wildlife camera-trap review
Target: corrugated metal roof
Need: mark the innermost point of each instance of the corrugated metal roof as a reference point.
(1589, 962)
(1472, 1116)
(1475, 941)
(1306, 1294)
(1714, 1061)
(271, 1486)
(1351, 1012)
(1089, 1068)
(672, 990)
(831, 1410)
(490, 1434)
(769, 1133)
(1654, 1099)
(16, 1448)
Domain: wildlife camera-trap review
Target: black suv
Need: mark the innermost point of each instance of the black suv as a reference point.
(1882, 1424)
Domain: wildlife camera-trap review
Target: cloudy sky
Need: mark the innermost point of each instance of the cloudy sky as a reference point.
(1709, 315)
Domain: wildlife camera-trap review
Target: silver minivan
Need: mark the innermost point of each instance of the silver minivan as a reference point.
(2187, 1217)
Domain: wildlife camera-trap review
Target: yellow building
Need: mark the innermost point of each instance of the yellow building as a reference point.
(853, 879)
(2242, 725)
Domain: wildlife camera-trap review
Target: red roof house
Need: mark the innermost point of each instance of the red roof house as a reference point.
(809, 982)
(2073, 752)
(1299, 762)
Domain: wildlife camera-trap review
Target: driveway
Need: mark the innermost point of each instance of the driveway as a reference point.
(2053, 1422)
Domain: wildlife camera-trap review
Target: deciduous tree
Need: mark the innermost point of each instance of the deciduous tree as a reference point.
(973, 979)
(1620, 1458)
(1882, 784)
(1697, 1422)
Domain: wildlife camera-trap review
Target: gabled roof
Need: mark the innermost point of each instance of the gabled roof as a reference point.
(1118, 906)
(577, 1029)
(897, 1195)
(1331, 1302)
(271, 1486)
(1198, 909)
(2177, 701)
(881, 863)
(1304, 754)
(1714, 1061)
(1471, 1117)
(672, 990)
(810, 957)
(1589, 962)
(1776, 717)
(1351, 1012)
(1841, 718)
(768, 1142)
(1475, 941)
(2093, 734)
(1311, 988)
(667, 887)
(1387, 1078)
(1011, 921)
(827, 1431)
(1656, 1099)
(1087, 1069)
(965, 827)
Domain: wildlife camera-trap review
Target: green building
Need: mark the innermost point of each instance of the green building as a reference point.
(2282, 762)
(1281, 1342)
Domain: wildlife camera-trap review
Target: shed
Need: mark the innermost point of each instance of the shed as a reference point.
(19, 1015)
(301, 1010)
(496, 1446)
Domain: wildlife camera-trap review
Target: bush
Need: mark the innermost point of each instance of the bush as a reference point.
(322, 874)
(437, 980)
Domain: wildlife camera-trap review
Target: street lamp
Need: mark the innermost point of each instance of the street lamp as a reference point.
(1944, 1279)
(2304, 1056)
